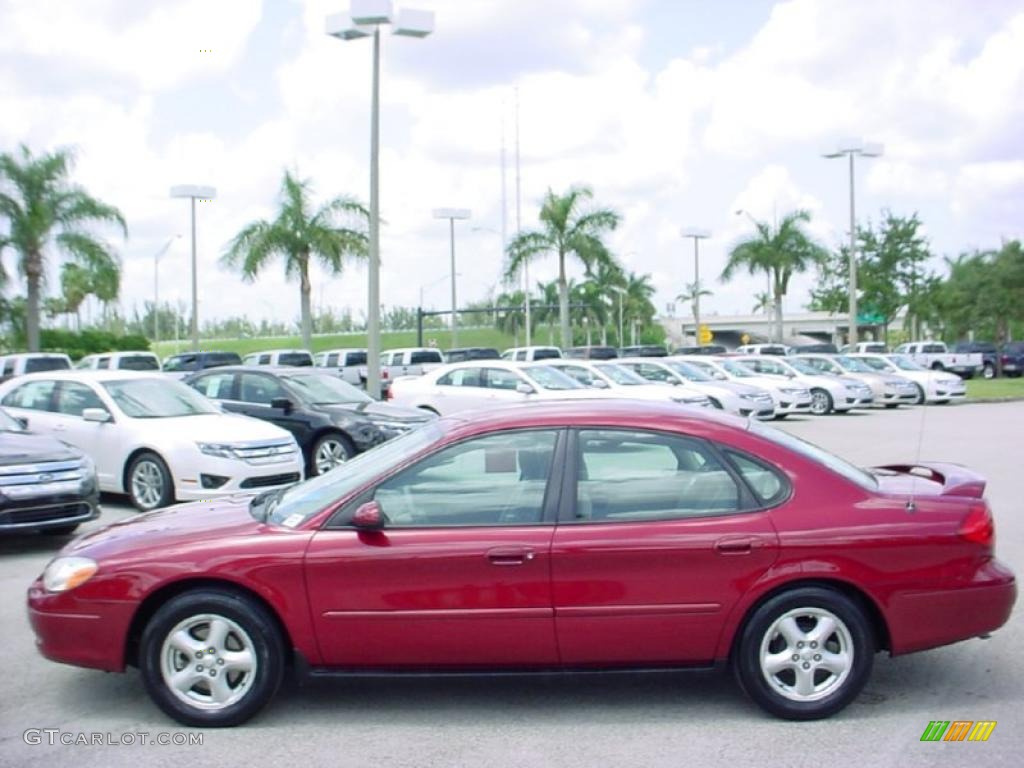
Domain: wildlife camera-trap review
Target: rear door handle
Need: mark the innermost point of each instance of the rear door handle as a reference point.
(510, 555)
(743, 545)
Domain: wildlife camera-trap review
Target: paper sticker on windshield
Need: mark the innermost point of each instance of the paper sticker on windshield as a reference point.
(292, 520)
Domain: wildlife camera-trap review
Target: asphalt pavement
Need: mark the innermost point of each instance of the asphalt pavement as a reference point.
(678, 720)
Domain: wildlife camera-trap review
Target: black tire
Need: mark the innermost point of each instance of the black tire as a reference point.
(892, 405)
(775, 698)
(337, 445)
(261, 631)
(937, 366)
(165, 497)
(822, 400)
(61, 530)
(920, 394)
(780, 416)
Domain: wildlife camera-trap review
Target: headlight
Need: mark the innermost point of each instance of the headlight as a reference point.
(66, 573)
(790, 391)
(217, 449)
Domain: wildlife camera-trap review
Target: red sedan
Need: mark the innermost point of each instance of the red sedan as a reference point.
(565, 537)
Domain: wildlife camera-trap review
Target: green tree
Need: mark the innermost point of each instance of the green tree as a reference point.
(781, 251)
(690, 295)
(762, 302)
(639, 307)
(45, 210)
(546, 309)
(566, 230)
(299, 234)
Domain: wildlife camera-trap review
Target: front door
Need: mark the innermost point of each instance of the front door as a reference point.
(90, 437)
(460, 575)
(656, 545)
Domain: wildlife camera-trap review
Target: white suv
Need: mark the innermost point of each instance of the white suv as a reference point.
(120, 361)
(287, 357)
(32, 362)
(531, 354)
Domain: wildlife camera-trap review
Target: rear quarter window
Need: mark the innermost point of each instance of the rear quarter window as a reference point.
(37, 364)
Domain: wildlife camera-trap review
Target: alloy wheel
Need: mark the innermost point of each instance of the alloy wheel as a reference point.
(208, 662)
(820, 402)
(329, 454)
(806, 654)
(147, 484)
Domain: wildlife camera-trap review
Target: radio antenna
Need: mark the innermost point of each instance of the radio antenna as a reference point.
(911, 506)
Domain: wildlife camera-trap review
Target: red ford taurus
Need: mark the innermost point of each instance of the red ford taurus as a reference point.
(566, 537)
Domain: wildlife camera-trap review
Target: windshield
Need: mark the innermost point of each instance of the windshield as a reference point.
(812, 451)
(157, 399)
(324, 389)
(854, 365)
(906, 364)
(138, 363)
(39, 364)
(804, 367)
(298, 503)
(738, 370)
(711, 371)
(688, 371)
(548, 378)
(9, 423)
(620, 375)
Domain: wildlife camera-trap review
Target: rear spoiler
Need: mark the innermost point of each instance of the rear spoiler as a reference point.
(956, 480)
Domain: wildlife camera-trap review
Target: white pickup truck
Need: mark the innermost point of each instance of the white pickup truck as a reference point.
(935, 355)
(411, 361)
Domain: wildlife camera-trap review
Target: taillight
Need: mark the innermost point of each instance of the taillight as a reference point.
(1004, 359)
(978, 526)
(388, 395)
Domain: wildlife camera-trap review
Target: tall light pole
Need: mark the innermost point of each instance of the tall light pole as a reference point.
(852, 148)
(156, 287)
(696, 234)
(452, 214)
(622, 293)
(364, 19)
(194, 192)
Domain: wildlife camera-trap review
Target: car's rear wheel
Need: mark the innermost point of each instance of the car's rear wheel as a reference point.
(330, 451)
(989, 371)
(211, 658)
(805, 654)
(821, 402)
(149, 482)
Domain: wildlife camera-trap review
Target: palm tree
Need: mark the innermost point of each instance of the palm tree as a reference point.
(298, 234)
(781, 251)
(566, 230)
(639, 307)
(44, 209)
(75, 286)
(762, 302)
(546, 309)
(691, 294)
(512, 320)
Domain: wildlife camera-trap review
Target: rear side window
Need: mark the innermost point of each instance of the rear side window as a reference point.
(355, 358)
(300, 359)
(180, 363)
(264, 360)
(103, 363)
(8, 367)
(767, 484)
(546, 354)
(222, 358)
(931, 349)
(138, 363)
(37, 364)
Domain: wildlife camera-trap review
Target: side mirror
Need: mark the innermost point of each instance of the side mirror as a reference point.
(369, 517)
(524, 389)
(281, 403)
(23, 421)
(99, 415)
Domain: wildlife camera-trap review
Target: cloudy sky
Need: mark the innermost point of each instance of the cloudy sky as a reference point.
(676, 112)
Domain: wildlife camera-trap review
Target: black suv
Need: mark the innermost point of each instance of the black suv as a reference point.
(591, 353)
(45, 485)
(703, 349)
(989, 355)
(331, 420)
(1011, 358)
(644, 350)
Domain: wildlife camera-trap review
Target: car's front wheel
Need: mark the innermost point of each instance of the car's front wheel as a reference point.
(920, 395)
(821, 402)
(989, 371)
(211, 658)
(330, 451)
(149, 482)
(805, 654)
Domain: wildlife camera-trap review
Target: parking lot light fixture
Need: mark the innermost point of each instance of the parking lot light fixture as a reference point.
(453, 214)
(364, 19)
(851, 148)
(194, 192)
(696, 234)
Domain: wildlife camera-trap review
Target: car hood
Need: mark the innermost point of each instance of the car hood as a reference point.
(24, 448)
(216, 427)
(199, 522)
(739, 387)
(378, 412)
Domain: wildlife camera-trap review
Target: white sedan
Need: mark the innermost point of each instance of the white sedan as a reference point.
(733, 398)
(932, 386)
(486, 384)
(153, 438)
(828, 393)
(789, 398)
(625, 383)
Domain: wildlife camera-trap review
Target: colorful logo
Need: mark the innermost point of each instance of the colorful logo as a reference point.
(958, 730)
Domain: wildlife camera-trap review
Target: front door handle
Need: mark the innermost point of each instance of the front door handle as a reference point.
(60, 428)
(510, 555)
(739, 545)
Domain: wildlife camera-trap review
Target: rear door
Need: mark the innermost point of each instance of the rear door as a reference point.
(460, 576)
(658, 538)
(91, 437)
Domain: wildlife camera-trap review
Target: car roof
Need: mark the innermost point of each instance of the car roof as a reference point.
(27, 355)
(79, 374)
(278, 352)
(262, 369)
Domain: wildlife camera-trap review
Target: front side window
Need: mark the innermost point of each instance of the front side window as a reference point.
(462, 377)
(256, 388)
(494, 480)
(654, 373)
(180, 363)
(620, 375)
(103, 364)
(35, 396)
(582, 375)
(548, 378)
(499, 378)
(264, 360)
(73, 398)
(323, 389)
(216, 386)
(626, 476)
